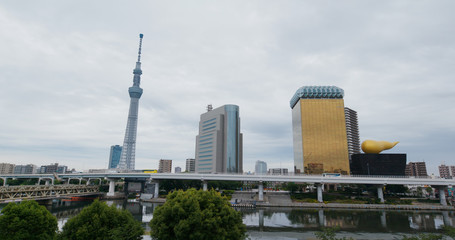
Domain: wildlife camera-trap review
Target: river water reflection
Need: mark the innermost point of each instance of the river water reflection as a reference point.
(292, 223)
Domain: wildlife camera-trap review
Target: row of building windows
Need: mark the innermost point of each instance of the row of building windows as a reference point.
(205, 129)
(205, 152)
(203, 156)
(205, 160)
(210, 120)
(205, 140)
(204, 169)
(205, 143)
(209, 147)
(205, 164)
(206, 136)
(208, 124)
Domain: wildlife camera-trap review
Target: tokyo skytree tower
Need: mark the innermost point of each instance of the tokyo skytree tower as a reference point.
(127, 158)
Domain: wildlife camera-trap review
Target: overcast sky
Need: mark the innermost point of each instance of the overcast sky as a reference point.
(65, 69)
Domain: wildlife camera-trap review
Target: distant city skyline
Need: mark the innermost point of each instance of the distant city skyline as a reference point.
(64, 75)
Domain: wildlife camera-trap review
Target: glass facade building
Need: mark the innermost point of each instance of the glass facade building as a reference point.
(114, 156)
(260, 168)
(219, 142)
(319, 130)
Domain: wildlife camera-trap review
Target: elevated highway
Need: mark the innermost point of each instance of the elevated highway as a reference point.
(317, 180)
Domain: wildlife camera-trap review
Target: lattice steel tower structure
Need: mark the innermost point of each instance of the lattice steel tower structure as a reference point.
(127, 158)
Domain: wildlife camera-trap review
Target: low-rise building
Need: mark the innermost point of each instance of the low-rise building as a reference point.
(6, 168)
(165, 166)
(278, 171)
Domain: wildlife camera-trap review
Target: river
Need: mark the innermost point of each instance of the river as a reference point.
(293, 223)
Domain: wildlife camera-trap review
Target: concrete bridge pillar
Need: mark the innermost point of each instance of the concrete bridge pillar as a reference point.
(157, 189)
(47, 182)
(80, 181)
(88, 182)
(4, 181)
(380, 193)
(204, 185)
(383, 219)
(261, 219)
(319, 190)
(321, 217)
(446, 219)
(442, 195)
(111, 187)
(261, 191)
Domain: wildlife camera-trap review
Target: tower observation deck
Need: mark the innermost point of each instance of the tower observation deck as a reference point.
(127, 159)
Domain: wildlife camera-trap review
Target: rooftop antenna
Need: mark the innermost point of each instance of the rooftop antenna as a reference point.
(209, 108)
(140, 47)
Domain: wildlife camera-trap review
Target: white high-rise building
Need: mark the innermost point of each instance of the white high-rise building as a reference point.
(190, 165)
(352, 131)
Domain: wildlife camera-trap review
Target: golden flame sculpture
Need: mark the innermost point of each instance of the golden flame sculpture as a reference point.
(372, 146)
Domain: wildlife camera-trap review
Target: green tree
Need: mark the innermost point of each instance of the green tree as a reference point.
(196, 214)
(396, 189)
(99, 221)
(27, 220)
(292, 187)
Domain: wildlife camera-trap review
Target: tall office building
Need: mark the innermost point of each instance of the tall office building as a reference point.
(319, 130)
(165, 166)
(219, 143)
(444, 171)
(260, 168)
(352, 131)
(416, 169)
(190, 165)
(127, 159)
(114, 156)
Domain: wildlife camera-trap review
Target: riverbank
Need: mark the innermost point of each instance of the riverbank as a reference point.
(282, 199)
(356, 206)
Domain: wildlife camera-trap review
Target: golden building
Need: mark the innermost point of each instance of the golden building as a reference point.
(319, 130)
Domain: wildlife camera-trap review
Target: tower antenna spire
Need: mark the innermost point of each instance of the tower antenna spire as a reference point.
(128, 155)
(140, 47)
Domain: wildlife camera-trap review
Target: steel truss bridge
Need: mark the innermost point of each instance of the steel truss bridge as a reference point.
(44, 192)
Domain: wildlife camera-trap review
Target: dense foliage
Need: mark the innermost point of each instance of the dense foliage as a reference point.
(196, 214)
(20, 181)
(27, 220)
(177, 184)
(99, 221)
